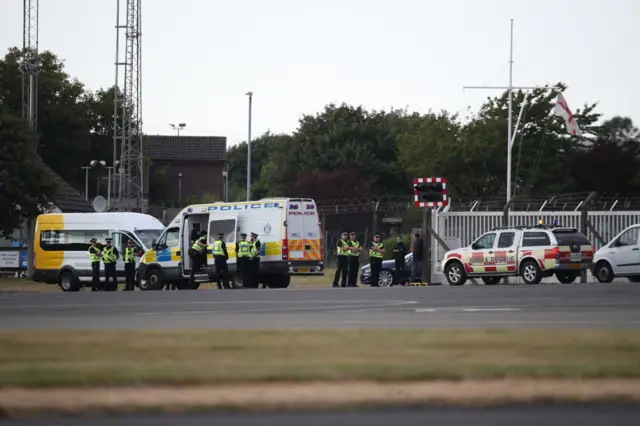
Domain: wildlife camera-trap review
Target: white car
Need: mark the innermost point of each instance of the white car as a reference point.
(619, 258)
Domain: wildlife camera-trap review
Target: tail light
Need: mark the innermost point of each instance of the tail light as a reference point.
(285, 250)
(556, 252)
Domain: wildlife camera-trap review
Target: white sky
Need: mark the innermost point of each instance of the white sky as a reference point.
(201, 56)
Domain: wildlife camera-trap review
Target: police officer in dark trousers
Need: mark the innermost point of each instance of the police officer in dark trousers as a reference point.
(243, 257)
(110, 256)
(95, 255)
(220, 257)
(197, 252)
(130, 266)
(376, 253)
(399, 252)
(255, 260)
(342, 249)
(354, 260)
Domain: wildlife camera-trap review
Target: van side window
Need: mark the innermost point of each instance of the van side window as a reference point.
(65, 240)
(171, 238)
(535, 239)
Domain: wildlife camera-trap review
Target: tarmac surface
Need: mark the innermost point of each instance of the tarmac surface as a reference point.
(503, 416)
(549, 306)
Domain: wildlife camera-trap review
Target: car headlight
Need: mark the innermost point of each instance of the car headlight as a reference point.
(366, 270)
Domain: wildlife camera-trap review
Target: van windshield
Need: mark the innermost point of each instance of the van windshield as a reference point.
(146, 236)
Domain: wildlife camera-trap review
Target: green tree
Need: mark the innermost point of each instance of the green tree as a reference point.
(24, 194)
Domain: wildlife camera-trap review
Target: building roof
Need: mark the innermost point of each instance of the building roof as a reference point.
(190, 148)
(67, 199)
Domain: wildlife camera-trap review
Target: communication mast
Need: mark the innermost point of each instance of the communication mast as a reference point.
(127, 117)
(29, 66)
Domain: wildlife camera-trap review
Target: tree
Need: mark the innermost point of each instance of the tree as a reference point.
(25, 192)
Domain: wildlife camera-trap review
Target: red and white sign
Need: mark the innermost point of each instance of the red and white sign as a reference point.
(416, 193)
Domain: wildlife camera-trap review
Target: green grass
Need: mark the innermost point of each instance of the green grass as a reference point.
(35, 359)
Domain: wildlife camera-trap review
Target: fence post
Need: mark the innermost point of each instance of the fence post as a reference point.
(584, 225)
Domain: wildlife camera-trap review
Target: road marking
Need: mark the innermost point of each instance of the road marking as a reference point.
(487, 309)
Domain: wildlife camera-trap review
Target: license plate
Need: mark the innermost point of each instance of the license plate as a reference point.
(303, 270)
(574, 266)
(576, 256)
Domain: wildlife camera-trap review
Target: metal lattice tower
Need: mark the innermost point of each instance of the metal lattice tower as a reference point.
(29, 66)
(127, 128)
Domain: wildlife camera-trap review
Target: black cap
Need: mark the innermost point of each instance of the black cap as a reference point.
(345, 233)
(243, 235)
(130, 242)
(108, 239)
(376, 235)
(220, 234)
(203, 238)
(253, 234)
(353, 233)
(93, 240)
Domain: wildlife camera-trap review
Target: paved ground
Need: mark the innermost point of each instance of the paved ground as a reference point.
(592, 306)
(528, 416)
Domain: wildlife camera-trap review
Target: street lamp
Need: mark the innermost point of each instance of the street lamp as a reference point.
(180, 188)
(179, 127)
(225, 177)
(91, 165)
(250, 94)
(115, 165)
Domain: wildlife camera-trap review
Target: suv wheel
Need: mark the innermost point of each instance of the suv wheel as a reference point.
(603, 272)
(530, 272)
(455, 273)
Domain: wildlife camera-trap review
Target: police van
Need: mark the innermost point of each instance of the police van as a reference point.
(61, 243)
(288, 229)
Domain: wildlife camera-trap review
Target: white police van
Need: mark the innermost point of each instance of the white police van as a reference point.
(288, 229)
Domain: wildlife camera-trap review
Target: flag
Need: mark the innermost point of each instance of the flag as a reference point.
(562, 109)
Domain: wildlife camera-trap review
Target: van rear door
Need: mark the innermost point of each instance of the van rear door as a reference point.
(303, 232)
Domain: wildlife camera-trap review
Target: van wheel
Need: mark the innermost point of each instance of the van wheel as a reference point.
(531, 273)
(491, 280)
(603, 272)
(455, 273)
(68, 282)
(154, 280)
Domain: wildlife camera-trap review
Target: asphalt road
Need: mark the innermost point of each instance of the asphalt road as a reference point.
(507, 416)
(592, 306)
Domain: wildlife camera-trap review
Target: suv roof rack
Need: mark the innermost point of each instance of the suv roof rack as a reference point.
(521, 227)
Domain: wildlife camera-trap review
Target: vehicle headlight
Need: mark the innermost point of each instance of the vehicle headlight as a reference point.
(366, 270)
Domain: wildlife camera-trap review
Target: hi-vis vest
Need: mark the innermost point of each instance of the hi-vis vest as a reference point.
(244, 249)
(343, 248)
(254, 249)
(197, 246)
(94, 254)
(108, 256)
(355, 253)
(375, 253)
(129, 255)
(217, 248)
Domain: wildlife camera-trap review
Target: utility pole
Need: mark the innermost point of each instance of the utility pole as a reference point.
(250, 94)
(510, 88)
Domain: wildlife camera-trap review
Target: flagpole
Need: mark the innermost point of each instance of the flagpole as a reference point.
(510, 119)
(510, 89)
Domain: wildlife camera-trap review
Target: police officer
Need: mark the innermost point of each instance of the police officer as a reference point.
(130, 266)
(354, 260)
(376, 253)
(342, 248)
(110, 256)
(255, 260)
(197, 252)
(399, 253)
(243, 257)
(95, 254)
(220, 257)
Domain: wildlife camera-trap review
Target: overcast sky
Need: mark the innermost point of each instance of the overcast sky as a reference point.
(201, 56)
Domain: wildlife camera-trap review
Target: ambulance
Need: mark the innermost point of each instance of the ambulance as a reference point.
(288, 229)
(61, 243)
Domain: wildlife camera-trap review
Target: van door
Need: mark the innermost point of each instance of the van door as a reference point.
(303, 231)
(228, 225)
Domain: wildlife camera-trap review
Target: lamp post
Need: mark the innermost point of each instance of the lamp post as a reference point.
(179, 127)
(91, 165)
(109, 168)
(225, 189)
(180, 188)
(250, 94)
